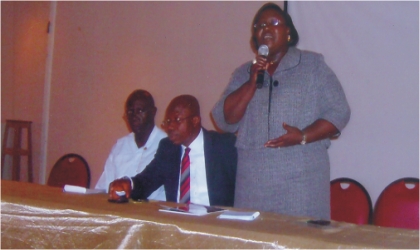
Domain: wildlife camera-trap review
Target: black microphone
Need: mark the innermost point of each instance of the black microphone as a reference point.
(262, 51)
(276, 83)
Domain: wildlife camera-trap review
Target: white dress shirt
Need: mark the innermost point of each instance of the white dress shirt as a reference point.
(198, 182)
(126, 159)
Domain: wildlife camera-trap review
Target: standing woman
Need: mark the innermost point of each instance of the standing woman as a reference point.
(284, 128)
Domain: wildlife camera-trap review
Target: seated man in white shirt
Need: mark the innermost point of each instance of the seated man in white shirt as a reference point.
(133, 152)
(206, 178)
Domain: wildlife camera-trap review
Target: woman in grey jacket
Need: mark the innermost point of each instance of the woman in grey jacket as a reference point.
(284, 127)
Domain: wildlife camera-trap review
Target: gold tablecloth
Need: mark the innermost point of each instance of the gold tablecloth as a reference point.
(38, 216)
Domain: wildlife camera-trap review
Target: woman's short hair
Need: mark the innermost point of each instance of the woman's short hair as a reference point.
(294, 36)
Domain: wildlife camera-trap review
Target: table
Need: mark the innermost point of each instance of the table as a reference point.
(39, 216)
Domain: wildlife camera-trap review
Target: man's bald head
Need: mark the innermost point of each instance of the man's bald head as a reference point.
(186, 101)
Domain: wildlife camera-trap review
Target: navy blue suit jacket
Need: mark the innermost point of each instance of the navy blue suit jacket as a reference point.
(220, 159)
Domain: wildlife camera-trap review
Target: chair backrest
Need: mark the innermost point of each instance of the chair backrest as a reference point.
(70, 169)
(350, 202)
(398, 205)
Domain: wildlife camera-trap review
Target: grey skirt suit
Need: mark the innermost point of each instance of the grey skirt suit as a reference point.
(292, 180)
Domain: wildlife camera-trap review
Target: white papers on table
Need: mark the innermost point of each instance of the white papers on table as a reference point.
(81, 190)
(191, 209)
(237, 215)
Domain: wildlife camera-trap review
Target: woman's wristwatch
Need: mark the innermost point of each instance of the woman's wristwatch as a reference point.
(303, 142)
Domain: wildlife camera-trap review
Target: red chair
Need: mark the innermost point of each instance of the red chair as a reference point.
(350, 202)
(70, 169)
(398, 205)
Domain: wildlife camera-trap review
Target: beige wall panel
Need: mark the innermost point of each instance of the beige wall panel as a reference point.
(24, 51)
(105, 50)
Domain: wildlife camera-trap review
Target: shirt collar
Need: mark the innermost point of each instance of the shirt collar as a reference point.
(151, 138)
(149, 141)
(198, 142)
(290, 60)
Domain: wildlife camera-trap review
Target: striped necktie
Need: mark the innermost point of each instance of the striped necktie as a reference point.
(184, 196)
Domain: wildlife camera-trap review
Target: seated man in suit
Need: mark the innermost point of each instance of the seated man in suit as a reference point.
(205, 159)
(133, 152)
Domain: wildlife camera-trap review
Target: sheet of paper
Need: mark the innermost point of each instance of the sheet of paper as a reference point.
(237, 215)
(81, 190)
(191, 209)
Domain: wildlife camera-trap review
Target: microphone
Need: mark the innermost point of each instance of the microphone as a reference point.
(262, 51)
(276, 83)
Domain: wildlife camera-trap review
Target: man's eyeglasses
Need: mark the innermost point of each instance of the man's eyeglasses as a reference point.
(177, 121)
(272, 22)
(131, 112)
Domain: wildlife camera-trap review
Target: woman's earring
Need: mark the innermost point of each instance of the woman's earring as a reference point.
(288, 38)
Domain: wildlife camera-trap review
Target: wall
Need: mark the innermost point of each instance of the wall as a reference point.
(373, 47)
(104, 50)
(23, 54)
